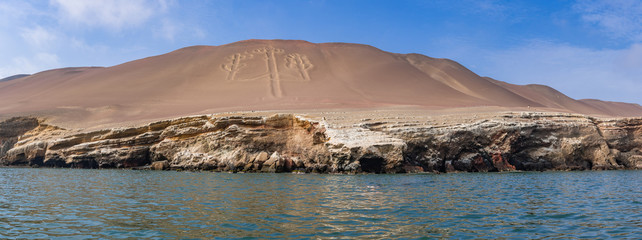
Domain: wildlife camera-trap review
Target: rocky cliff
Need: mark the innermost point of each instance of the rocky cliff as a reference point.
(291, 142)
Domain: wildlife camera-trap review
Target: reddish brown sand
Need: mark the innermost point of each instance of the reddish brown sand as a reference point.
(275, 75)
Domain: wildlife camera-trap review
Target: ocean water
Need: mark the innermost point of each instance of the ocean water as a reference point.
(113, 204)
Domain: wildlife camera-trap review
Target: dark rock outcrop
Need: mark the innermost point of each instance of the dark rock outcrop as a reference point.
(285, 142)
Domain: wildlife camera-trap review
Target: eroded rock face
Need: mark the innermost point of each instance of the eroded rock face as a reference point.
(285, 142)
(12, 129)
(535, 145)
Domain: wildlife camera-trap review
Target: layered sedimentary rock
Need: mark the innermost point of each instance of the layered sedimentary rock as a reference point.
(289, 142)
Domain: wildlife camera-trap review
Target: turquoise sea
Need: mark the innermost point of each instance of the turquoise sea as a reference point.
(114, 204)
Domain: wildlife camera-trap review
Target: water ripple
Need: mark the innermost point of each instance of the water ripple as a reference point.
(80, 204)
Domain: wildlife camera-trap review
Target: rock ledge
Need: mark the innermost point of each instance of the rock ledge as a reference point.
(287, 142)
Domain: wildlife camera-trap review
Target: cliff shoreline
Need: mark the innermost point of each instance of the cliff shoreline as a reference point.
(509, 141)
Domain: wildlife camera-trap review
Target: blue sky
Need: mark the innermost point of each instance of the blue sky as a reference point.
(586, 49)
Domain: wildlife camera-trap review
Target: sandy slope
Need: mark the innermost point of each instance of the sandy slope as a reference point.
(273, 75)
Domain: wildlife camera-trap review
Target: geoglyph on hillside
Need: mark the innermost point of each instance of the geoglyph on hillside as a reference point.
(275, 62)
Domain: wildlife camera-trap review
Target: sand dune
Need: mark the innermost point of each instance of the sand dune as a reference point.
(273, 75)
(14, 77)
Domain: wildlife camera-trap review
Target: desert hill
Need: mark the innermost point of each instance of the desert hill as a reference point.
(14, 77)
(274, 75)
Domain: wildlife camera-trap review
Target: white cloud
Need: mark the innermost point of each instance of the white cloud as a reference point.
(168, 29)
(11, 10)
(632, 59)
(80, 45)
(47, 59)
(608, 74)
(38, 37)
(30, 65)
(491, 7)
(112, 14)
(619, 19)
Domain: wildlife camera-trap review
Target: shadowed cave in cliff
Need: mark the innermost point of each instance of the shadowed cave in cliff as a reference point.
(372, 164)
